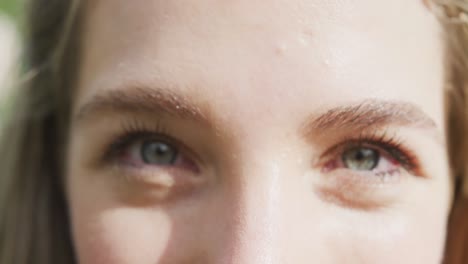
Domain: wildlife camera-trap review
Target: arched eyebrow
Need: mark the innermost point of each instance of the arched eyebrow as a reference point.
(372, 113)
(143, 100)
(366, 114)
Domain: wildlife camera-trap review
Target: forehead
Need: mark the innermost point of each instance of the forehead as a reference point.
(246, 52)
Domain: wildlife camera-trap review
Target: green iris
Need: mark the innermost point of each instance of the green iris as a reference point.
(362, 159)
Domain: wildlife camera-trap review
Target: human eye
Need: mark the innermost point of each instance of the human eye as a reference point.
(149, 156)
(367, 171)
(150, 150)
(379, 155)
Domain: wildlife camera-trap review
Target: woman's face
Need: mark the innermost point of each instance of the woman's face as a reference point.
(298, 131)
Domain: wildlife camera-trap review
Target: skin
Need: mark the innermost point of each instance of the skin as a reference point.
(242, 86)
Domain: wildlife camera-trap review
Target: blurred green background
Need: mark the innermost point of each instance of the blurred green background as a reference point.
(10, 11)
(10, 8)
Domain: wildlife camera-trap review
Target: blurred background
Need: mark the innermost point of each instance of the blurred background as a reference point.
(9, 49)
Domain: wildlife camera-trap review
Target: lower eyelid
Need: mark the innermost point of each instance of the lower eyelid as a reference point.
(368, 178)
(363, 191)
(166, 182)
(353, 198)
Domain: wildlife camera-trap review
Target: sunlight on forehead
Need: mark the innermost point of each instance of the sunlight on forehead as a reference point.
(249, 57)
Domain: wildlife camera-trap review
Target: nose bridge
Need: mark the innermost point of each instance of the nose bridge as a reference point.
(255, 229)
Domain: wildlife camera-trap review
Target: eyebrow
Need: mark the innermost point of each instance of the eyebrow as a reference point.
(368, 113)
(371, 113)
(143, 100)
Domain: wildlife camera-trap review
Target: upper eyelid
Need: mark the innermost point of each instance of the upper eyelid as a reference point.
(141, 131)
(413, 167)
(354, 142)
(127, 138)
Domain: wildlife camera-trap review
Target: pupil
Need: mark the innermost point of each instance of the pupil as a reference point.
(360, 155)
(361, 159)
(158, 153)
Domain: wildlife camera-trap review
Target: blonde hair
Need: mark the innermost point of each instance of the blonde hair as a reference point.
(34, 223)
(453, 15)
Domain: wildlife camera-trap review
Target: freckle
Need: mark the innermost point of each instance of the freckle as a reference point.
(281, 49)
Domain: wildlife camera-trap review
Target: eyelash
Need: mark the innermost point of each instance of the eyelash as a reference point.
(391, 145)
(134, 130)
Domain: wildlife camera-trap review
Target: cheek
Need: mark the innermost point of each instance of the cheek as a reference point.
(413, 236)
(120, 235)
(107, 231)
(110, 230)
(395, 240)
